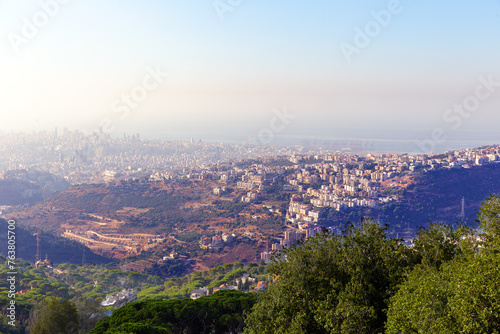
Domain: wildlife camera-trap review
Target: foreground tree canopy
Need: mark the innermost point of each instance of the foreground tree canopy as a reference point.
(333, 284)
(461, 296)
(363, 282)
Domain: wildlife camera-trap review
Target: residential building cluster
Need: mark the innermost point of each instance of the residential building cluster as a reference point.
(216, 241)
(291, 237)
(121, 298)
(301, 213)
(250, 197)
(243, 283)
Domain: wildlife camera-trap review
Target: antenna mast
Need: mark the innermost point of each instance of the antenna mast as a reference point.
(462, 213)
(38, 247)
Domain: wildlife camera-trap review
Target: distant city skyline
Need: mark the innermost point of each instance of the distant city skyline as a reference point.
(384, 70)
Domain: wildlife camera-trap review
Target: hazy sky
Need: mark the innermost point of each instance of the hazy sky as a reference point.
(232, 62)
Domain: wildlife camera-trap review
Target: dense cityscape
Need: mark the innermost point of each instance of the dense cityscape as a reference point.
(315, 179)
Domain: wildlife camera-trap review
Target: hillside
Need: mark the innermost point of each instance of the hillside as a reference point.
(156, 227)
(57, 249)
(141, 223)
(434, 196)
(20, 187)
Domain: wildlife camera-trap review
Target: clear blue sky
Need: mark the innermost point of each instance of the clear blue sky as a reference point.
(234, 72)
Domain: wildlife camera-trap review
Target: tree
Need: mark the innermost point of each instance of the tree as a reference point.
(475, 302)
(333, 283)
(56, 316)
(489, 220)
(420, 306)
(460, 296)
(440, 243)
(218, 313)
(89, 313)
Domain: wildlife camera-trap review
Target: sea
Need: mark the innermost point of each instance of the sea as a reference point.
(356, 140)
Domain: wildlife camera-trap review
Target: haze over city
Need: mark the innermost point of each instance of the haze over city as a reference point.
(384, 71)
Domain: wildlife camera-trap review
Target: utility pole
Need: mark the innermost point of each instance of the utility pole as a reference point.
(38, 247)
(462, 213)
